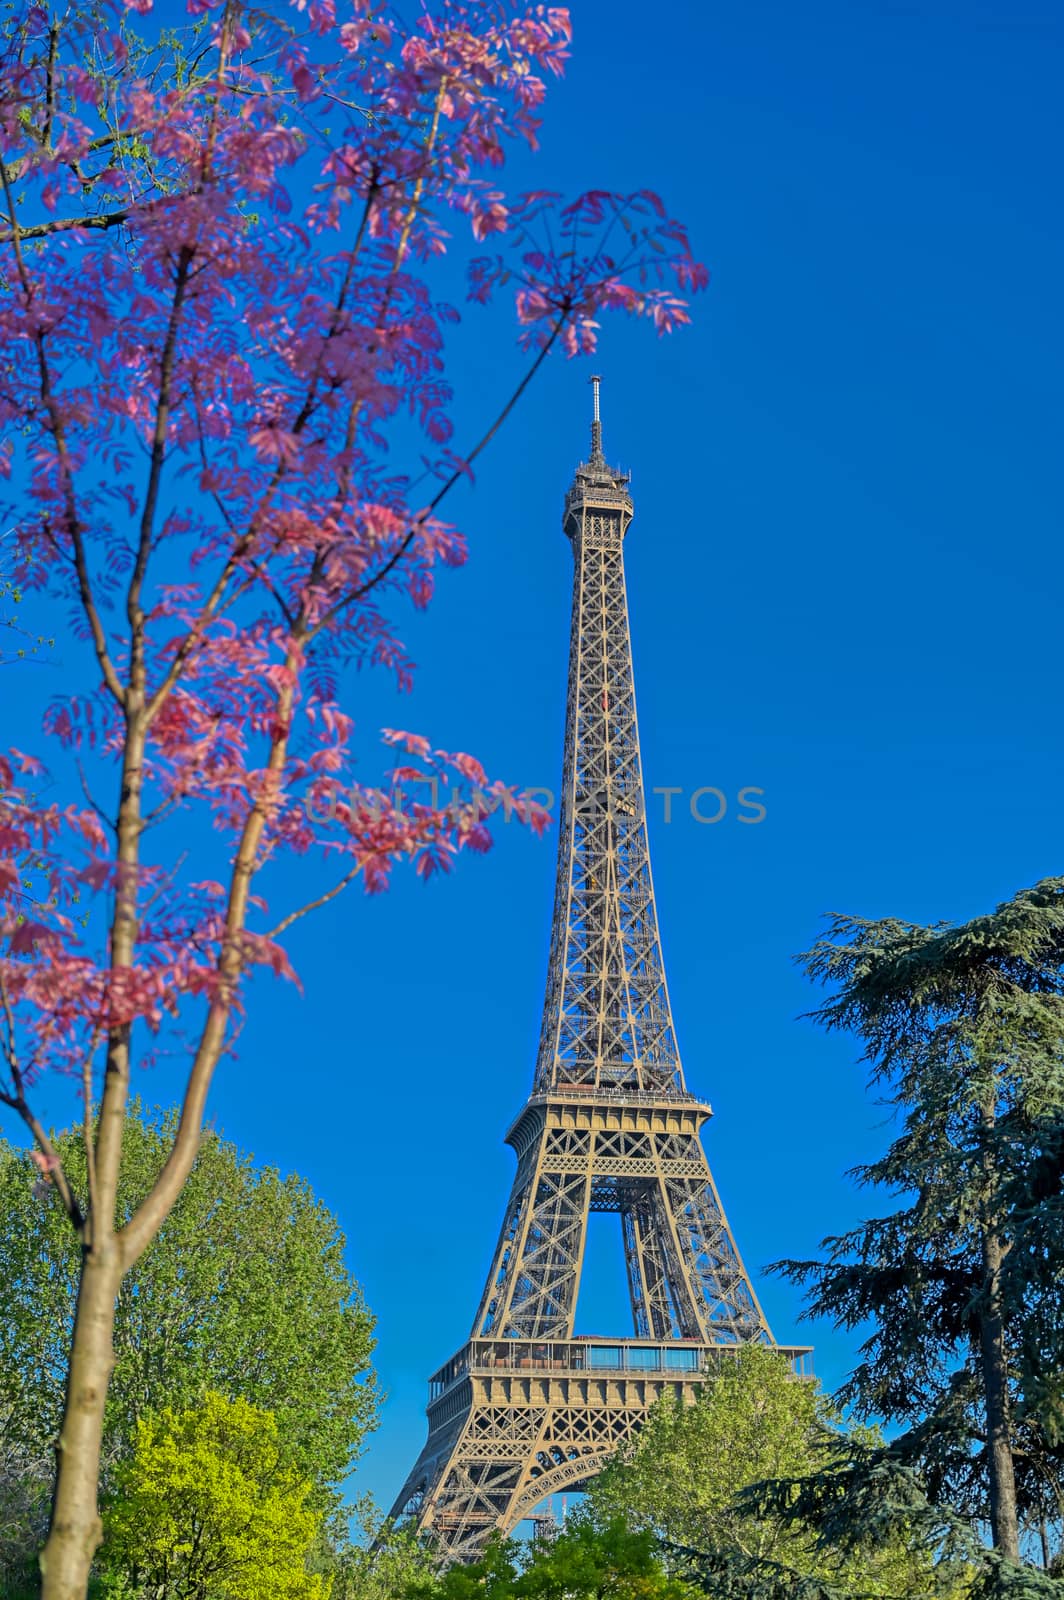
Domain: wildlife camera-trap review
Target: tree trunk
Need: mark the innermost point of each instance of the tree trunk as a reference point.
(76, 1529)
(1004, 1520)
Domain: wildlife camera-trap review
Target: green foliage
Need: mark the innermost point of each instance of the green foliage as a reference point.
(492, 1577)
(598, 1562)
(866, 1500)
(963, 1281)
(684, 1474)
(681, 1473)
(586, 1561)
(245, 1292)
(208, 1508)
(372, 1559)
(25, 1502)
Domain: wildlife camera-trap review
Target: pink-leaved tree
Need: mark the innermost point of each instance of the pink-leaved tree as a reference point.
(217, 243)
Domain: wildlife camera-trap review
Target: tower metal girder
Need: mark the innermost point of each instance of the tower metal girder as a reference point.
(513, 1421)
(609, 1126)
(638, 1155)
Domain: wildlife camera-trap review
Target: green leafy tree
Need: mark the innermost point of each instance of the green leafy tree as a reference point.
(586, 1561)
(962, 1279)
(492, 1577)
(372, 1558)
(244, 1291)
(208, 1508)
(605, 1562)
(684, 1474)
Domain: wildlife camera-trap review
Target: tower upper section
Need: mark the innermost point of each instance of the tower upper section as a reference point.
(607, 1023)
(598, 502)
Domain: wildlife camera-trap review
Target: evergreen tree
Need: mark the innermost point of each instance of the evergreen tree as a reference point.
(963, 1029)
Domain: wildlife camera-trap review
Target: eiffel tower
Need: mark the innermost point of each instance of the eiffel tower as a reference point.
(527, 1409)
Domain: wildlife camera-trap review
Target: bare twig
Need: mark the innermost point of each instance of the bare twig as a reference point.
(104, 818)
(312, 905)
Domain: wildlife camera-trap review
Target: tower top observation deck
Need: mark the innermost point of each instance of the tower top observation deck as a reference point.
(596, 485)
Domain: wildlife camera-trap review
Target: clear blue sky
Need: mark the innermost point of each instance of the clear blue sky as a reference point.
(845, 577)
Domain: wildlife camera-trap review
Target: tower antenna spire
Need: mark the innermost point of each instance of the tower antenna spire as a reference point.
(597, 457)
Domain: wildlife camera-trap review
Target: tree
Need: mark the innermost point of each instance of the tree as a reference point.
(682, 1478)
(381, 1562)
(208, 1508)
(217, 310)
(963, 1028)
(25, 1491)
(584, 1561)
(608, 1562)
(244, 1291)
(493, 1576)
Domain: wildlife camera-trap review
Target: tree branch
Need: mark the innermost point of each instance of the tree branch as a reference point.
(86, 1123)
(17, 1102)
(312, 905)
(244, 543)
(86, 791)
(55, 420)
(423, 516)
(41, 230)
(149, 1216)
(185, 258)
(53, 51)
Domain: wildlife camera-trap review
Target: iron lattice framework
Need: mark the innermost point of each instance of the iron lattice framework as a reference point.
(525, 1409)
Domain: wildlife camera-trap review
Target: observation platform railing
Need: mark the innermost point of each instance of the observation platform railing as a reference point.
(673, 1358)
